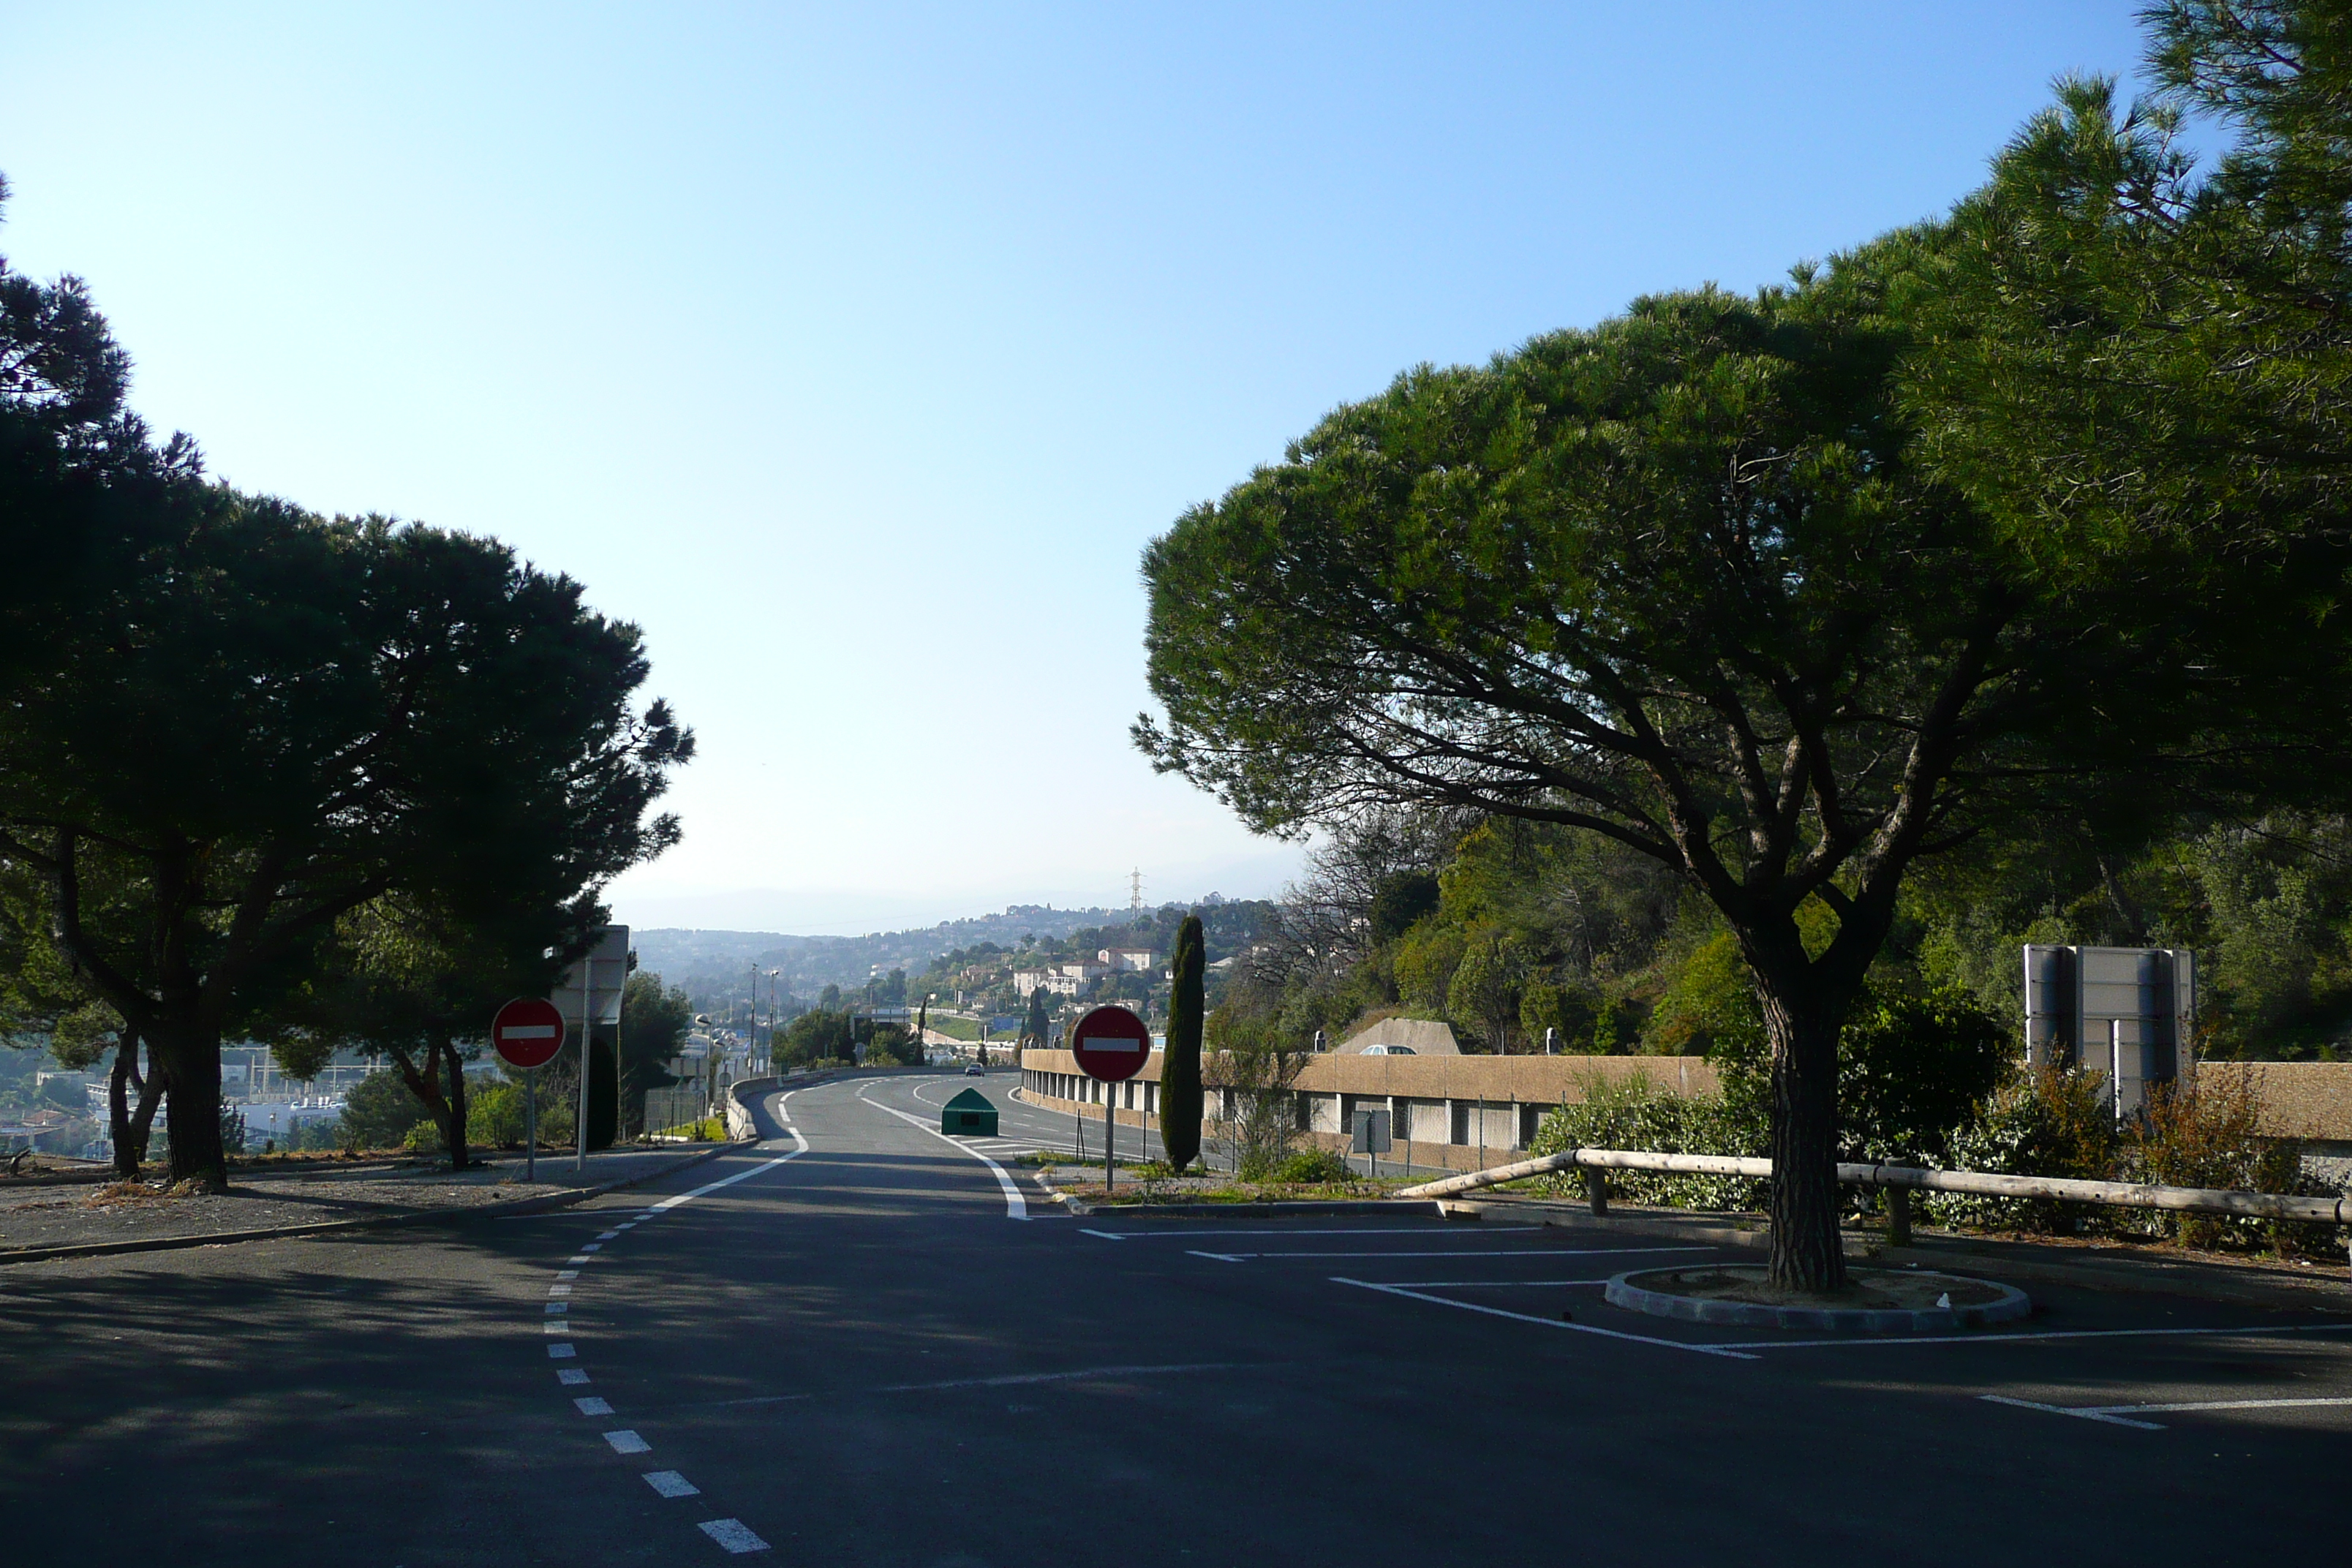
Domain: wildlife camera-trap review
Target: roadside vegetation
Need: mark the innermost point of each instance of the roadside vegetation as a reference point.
(1978, 584)
(321, 782)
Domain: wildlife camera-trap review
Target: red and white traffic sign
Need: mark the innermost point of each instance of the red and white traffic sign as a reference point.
(527, 1032)
(1111, 1044)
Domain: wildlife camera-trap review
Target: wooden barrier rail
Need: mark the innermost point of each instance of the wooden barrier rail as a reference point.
(1907, 1179)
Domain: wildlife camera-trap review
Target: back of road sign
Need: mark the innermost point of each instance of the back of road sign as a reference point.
(968, 1114)
(1369, 1130)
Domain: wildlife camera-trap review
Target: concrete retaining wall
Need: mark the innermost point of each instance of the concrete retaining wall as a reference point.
(1459, 1111)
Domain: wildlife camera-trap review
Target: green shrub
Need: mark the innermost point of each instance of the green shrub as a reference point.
(2206, 1134)
(1313, 1166)
(1632, 1113)
(494, 1116)
(1911, 1071)
(2047, 1121)
(425, 1138)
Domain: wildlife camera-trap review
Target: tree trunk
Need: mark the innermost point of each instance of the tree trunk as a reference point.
(425, 1083)
(1808, 1254)
(457, 1097)
(118, 1104)
(151, 1095)
(190, 1054)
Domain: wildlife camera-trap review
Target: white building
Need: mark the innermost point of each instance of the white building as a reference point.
(1127, 960)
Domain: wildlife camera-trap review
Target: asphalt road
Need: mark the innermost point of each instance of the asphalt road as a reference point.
(855, 1352)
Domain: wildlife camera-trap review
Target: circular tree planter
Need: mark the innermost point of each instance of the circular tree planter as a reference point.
(1881, 1300)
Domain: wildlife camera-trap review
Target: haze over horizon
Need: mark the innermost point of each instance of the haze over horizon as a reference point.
(857, 355)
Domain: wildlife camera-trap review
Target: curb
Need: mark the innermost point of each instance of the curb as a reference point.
(1264, 1209)
(2149, 1275)
(1622, 1292)
(515, 1208)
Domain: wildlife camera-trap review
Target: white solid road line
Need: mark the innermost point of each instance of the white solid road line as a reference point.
(709, 1187)
(1016, 1206)
(1724, 1351)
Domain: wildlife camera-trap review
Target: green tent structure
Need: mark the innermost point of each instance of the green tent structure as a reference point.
(969, 1113)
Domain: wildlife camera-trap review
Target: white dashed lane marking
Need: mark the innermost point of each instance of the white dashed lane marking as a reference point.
(733, 1534)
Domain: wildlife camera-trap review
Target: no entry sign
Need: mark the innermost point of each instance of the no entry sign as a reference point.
(527, 1032)
(1111, 1044)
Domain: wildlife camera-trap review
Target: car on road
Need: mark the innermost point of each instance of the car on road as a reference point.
(975, 1071)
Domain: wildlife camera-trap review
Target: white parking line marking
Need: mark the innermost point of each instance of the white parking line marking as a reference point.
(627, 1442)
(2227, 1404)
(1016, 1206)
(1217, 1257)
(732, 1534)
(1995, 1337)
(669, 1483)
(1724, 1351)
(1105, 1235)
(2120, 1414)
(2062, 1410)
(570, 1375)
(589, 1405)
(560, 1353)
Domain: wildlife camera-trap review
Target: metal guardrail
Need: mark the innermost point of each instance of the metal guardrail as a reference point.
(1908, 1179)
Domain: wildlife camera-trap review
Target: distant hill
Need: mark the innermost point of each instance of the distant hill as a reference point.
(714, 965)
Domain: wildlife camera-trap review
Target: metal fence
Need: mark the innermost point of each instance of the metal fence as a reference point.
(678, 1107)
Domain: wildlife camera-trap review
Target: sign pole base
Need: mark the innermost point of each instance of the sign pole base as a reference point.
(530, 1125)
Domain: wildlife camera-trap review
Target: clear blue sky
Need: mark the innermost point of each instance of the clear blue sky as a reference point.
(855, 352)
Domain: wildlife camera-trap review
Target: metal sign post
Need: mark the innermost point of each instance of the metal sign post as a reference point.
(526, 1033)
(1369, 1130)
(1111, 1045)
(578, 992)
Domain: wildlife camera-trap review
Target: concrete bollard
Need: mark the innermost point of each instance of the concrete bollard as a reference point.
(1898, 1216)
(1596, 1190)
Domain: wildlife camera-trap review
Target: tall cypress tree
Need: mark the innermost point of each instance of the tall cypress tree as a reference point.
(1180, 1072)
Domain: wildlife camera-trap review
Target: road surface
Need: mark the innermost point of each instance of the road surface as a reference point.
(861, 1343)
